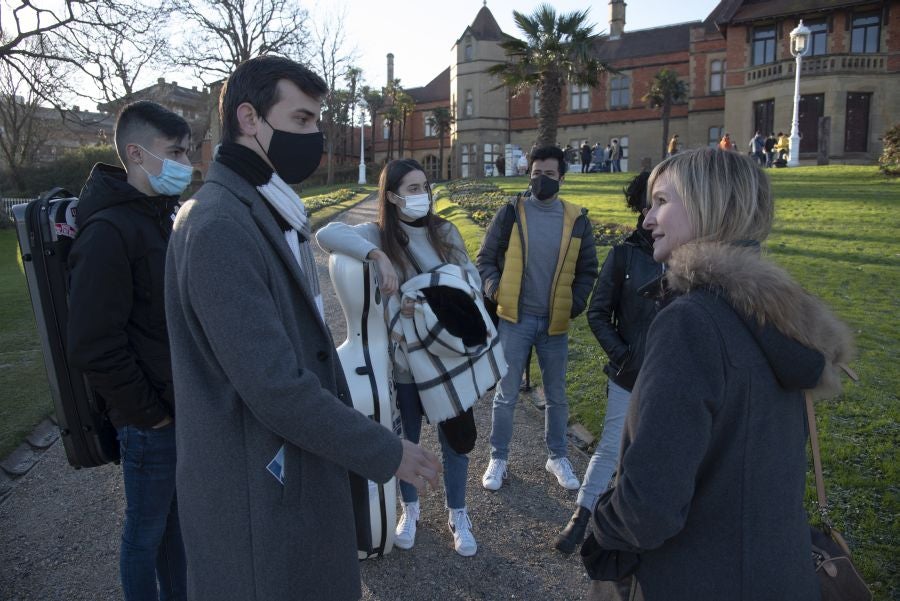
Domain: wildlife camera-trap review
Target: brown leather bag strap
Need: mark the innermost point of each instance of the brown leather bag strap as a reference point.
(817, 457)
(817, 463)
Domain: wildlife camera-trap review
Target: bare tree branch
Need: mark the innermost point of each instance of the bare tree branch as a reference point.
(229, 32)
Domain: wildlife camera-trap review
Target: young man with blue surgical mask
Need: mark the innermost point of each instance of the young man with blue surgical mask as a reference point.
(117, 332)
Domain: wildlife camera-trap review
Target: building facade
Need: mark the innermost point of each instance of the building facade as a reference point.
(738, 69)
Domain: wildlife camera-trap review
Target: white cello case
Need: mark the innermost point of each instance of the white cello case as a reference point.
(367, 369)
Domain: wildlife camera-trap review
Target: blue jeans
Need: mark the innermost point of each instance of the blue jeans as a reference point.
(456, 465)
(603, 462)
(152, 553)
(553, 356)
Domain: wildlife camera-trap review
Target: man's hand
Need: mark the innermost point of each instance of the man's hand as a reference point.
(163, 423)
(387, 275)
(419, 466)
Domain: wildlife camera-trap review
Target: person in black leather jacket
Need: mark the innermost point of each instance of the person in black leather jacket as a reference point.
(619, 316)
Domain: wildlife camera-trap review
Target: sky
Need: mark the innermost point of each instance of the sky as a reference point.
(421, 35)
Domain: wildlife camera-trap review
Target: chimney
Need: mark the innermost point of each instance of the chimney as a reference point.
(76, 108)
(161, 81)
(390, 65)
(193, 88)
(175, 83)
(616, 19)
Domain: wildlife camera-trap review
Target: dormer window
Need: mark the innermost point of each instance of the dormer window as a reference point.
(469, 52)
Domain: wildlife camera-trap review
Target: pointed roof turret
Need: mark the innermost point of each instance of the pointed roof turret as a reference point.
(484, 27)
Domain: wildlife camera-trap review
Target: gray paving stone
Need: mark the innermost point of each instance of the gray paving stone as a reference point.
(20, 461)
(44, 435)
(580, 435)
(5, 485)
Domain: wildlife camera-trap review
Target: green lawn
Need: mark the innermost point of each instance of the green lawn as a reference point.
(24, 393)
(836, 233)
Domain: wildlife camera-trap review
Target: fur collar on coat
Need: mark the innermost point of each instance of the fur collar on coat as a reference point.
(762, 292)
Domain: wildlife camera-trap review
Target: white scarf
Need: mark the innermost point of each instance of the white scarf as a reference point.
(291, 208)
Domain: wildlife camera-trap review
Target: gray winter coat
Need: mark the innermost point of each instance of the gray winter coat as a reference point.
(709, 493)
(254, 369)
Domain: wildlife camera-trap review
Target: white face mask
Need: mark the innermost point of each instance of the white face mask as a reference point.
(414, 207)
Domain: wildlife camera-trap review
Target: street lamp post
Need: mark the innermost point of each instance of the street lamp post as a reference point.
(799, 48)
(362, 148)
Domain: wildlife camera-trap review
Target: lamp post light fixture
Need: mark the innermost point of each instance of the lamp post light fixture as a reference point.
(799, 48)
(362, 148)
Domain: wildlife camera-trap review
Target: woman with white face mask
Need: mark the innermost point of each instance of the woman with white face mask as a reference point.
(409, 238)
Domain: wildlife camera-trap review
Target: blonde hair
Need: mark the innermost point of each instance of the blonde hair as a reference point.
(726, 196)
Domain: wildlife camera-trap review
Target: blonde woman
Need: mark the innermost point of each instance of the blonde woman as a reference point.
(708, 500)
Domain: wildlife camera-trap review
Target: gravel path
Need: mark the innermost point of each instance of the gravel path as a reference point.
(59, 527)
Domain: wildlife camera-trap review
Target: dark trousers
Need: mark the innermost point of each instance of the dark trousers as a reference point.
(151, 559)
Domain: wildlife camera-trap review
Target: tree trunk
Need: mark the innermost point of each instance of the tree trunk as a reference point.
(440, 171)
(330, 162)
(666, 109)
(390, 152)
(548, 118)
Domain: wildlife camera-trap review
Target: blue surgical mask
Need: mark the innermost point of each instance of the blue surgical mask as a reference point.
(173, 178)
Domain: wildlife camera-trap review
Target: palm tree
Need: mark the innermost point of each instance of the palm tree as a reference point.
(374, 101)
(405, 107)
(441, 120)
(665, 90)
(558, 49)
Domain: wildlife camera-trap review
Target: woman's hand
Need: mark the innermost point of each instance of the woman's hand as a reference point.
(387, 275)
(407, 307)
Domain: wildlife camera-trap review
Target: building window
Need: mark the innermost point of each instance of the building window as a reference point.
(715, 134)
(491, 153)
(818, 38)
(430, 131)
(536, 103)
(865, 35)
(385, 129)
(716, 77)
(579, 97)
(764, 45)
(432, 169)
(467, 160)
(764, 116)
(619, 94)
(470, 103)
(469, 52)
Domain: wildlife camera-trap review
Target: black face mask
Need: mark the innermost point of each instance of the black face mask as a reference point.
(544, 187)
(294, 156)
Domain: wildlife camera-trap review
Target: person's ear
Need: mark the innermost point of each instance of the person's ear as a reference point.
(134, 154)
(248, 119)
(562, 177)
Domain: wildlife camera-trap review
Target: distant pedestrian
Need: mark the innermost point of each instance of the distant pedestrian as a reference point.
(522, 165)
(607, 162)
(673, 146)
(769, 149)
(725, 143)
(585, 157)
(615, 156)
(757, 148)
(597, 157)
(501, 165)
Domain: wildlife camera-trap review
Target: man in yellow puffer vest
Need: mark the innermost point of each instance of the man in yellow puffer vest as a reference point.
(540, 273)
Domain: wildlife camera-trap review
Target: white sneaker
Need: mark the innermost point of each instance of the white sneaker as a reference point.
(461, 528)
(494, 474)
(562, 469)
(405, 534)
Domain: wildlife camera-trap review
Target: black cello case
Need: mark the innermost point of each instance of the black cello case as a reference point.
(46, 229)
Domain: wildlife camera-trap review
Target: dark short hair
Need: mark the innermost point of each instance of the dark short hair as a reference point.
(141, 120)
(636, 192)
(255, 81)
(549, 152)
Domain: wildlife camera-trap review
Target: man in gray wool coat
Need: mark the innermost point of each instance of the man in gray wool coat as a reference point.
(273, 459)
